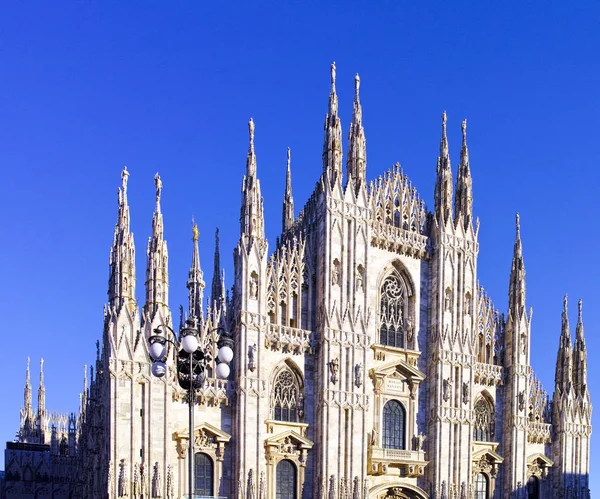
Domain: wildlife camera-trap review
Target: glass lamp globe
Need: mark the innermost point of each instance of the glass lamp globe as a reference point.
(223, 370)
(189, 343)
(225, 354)
(159, 369)
(157, 351)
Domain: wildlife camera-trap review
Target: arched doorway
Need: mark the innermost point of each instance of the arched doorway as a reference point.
(533, 488)
(285, 480)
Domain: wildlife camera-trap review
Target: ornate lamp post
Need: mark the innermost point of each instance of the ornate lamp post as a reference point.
(191, 367)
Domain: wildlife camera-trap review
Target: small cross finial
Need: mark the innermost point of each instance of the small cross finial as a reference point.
(333, 74)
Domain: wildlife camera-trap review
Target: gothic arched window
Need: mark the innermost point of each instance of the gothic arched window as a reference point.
(203, 475)
(393, 311)
(394, 417)
(286, 394)
(483, 427)
(481, 486)
(285, 480)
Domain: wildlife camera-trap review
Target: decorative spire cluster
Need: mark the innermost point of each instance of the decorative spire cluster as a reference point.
(443, 184)
(571, 360)
(157, 273)
(27, 412)
(332, 144)
(252, 217)
(463, 202)
(288, 200)
(357, 144)
(195, 283)
(121, 284)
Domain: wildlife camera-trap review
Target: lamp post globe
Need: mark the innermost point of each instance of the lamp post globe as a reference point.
(190, 343)
(223, 370)
(225, 354)
(157, 351)
(159, 369)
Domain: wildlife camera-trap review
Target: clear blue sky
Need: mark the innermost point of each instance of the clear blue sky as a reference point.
(169, 86)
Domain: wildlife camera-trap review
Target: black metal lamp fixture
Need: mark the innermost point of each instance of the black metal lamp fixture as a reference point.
(191, 369)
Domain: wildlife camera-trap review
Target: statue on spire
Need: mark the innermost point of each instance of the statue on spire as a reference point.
(158, 184)
(124, 178)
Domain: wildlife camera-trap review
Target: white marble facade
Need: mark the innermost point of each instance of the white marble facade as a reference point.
(369, 362)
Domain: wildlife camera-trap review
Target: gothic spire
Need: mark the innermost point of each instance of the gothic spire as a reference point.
(41, 392)
(288, 200)
(332, 145)
(27, 395)
(357, 145)
(157, 273)
(443, 183)
(516, 292)
(195, 283)
(463, 202)
(215, 289)
(580, 357)
(564, 361)
(121, 284)
(251, 217)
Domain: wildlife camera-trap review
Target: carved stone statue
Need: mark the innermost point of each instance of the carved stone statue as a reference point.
(334, 367)
(358, 375)
(123, 489)
(252, 357)
(447, 388)
(465, 392)
(156, 481)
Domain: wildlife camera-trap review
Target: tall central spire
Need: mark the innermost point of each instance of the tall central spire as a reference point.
(357, 144)
(157, 273)
(288, 200)
(443, 184)
(195, 283)
(251, 217)
(121, 284)
(332, 145)
(463, 202)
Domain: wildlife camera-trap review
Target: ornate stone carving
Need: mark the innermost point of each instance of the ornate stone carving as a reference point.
(465, 392)
(358, 375)
(334, 367)
(123, 489)
(447, 389)
(156, 481)
(252, 357)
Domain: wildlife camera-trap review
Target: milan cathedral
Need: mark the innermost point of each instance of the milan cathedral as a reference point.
(369, 361)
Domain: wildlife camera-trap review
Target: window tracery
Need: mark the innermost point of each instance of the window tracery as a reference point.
(286, 397)
(484, 424)
(394, 311)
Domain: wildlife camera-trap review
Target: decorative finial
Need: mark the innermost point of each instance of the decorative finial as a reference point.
(158, 184)
(579, 305)
(565, 300)
(195, 230)
(464, 131)
(124, 178)
(356, 85)
(41, 364)
(444, 119)
(251, 130)
(518, 223)
(333, 74)
(28, 362)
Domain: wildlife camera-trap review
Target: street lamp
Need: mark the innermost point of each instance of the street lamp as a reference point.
(191, 368)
